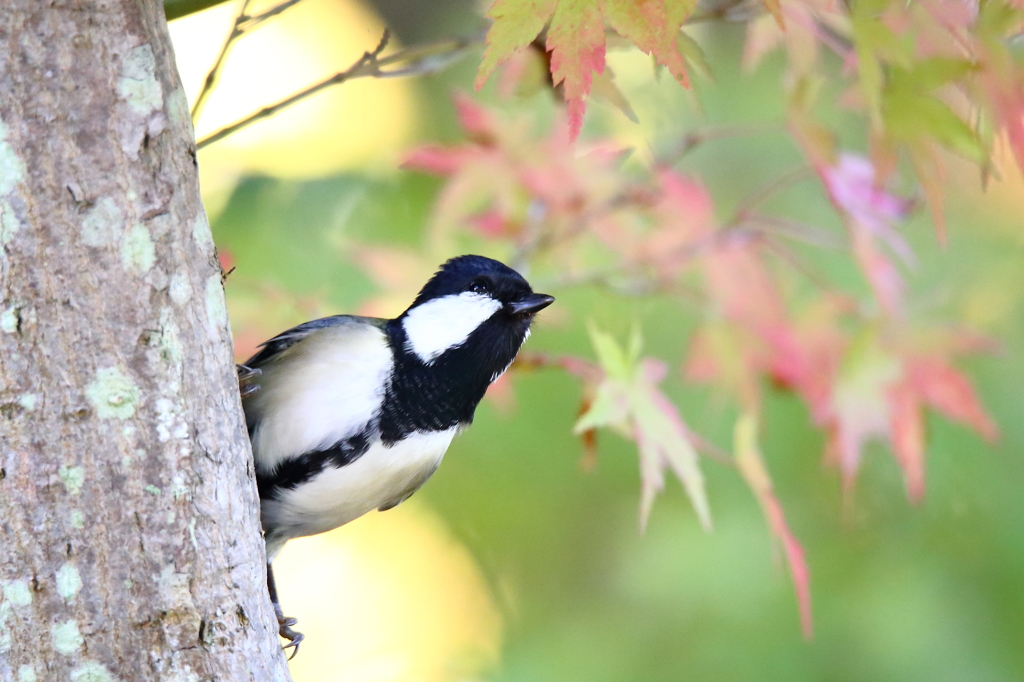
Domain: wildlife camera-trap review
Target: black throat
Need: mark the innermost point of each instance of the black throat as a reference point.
(444, 394)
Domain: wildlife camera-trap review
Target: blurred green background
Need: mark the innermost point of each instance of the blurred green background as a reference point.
(515, 565)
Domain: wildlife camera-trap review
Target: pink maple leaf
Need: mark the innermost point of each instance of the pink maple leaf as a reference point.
(880, 393)
(503, 177)
(751, 466)
(871, 212)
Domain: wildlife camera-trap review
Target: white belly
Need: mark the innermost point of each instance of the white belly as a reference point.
(382, 476)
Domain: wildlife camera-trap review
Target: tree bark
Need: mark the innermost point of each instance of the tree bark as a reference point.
(129, 529)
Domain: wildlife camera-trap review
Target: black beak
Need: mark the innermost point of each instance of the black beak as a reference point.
(531, 304)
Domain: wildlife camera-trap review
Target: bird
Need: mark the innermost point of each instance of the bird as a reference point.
(349, 414)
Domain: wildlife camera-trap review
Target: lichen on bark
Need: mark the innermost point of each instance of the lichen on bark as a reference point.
(129, 529)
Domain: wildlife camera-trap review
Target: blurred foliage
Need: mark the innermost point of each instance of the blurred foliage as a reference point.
(901, 592)
(175, 9)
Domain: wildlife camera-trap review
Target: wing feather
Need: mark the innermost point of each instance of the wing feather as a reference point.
(249, 371)
(314, 385)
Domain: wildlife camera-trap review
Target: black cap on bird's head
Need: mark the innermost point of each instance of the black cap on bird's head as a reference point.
(485, 277)
(460, 334)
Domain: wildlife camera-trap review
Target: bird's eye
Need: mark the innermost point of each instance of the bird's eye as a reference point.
(480, 286)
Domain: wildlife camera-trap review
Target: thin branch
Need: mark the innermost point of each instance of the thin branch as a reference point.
(421, 60)
(243, 24)
(211, 77)
(254, 21)
(626, 279)
(815, 277)
(588, 371)
(710, 450)
(699, 136)
(794, 229)
(733, 10)
(769, 190)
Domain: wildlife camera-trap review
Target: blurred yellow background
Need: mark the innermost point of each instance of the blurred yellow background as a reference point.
(362, 124)
(388, 597)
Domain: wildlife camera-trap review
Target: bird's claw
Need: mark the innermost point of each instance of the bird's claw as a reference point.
(284, 629)
(246, 379)
(295, 638)
(246, 372)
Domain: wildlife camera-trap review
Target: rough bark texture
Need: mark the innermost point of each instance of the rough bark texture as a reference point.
(129, 534)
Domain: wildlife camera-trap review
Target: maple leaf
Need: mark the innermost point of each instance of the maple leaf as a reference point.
(629, 401)
(515, 24)
(853, 185)
(882, 387)
(870, 211)
(809, 366)
(775, 7)
(725, 355)
(881, 273)
(751, 465)
(763, 37)
(746, 331)
(948, 391)
(859, 409)
(576, 43)
(800, 36)
(504, 178)
(931, 382)
(654, 28)
(1002, 82)
(576, 39)
(683, 215)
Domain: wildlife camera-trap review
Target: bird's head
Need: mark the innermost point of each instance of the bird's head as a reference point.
(471, 301)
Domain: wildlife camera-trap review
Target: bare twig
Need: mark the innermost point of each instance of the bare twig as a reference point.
(770, 190)
(211, 77)
(627, 279)
(812, 274)
(254, 21)
(710, 450)
(419, 61)
(697, 137)
(796, 230)
(733, 10)
(243, 24)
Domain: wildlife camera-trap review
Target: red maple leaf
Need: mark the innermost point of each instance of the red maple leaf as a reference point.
(751, 466)
(504, 176)
(576, 39)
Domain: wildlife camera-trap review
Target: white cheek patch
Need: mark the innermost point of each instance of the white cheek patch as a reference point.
(446, 322)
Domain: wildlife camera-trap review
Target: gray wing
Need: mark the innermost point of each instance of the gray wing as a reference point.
(249, 371)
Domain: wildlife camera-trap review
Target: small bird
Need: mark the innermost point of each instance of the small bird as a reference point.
(349, 414)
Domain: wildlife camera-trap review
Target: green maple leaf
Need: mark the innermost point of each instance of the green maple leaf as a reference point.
(629, 401)
(515, 24)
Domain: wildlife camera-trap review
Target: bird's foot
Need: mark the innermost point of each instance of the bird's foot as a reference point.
(245, 372)
(247, 379)
(284, 629)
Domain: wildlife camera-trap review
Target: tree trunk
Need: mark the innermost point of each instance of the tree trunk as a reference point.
(129, 532)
